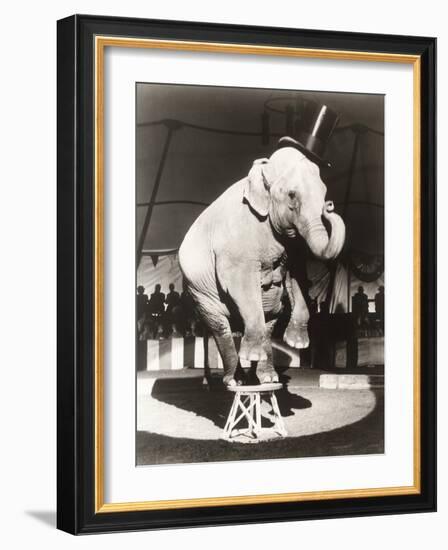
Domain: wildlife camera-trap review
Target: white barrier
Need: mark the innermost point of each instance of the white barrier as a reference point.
(179, 353)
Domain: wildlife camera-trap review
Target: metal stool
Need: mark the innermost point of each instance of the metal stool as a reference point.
(247, 404)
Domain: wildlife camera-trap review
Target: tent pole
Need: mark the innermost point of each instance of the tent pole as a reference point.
(347, 197)
(348, 288)
(155, 189)
(333, 264)
(351, 171)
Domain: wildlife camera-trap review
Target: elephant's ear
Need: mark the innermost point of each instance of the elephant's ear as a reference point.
(256, 189)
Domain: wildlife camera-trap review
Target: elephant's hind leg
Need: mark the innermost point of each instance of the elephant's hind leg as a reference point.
(219, 326)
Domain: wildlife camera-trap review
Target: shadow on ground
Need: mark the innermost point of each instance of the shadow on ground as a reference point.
(215, 404)
(363, 437)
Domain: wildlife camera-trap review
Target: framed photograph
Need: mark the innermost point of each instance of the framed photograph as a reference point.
(246, 274)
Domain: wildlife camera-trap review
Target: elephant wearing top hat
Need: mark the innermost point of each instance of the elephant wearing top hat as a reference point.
(235, 255)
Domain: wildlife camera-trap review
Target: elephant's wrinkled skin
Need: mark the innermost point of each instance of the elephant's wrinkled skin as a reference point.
(234, 255)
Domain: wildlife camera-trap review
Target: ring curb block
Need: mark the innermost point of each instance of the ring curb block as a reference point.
(350, 381)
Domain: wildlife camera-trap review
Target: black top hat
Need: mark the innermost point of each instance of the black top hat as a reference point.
(313, 131)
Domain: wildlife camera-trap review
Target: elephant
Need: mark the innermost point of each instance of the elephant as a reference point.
(235, 257)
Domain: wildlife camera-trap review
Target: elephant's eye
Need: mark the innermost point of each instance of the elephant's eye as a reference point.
(292, 195)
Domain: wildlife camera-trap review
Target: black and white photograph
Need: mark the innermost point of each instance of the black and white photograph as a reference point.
(260, 288)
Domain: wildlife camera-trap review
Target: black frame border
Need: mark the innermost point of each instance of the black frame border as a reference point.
(76, 263)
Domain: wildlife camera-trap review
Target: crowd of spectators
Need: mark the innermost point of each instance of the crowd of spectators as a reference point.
(162, 316)
(360, 308)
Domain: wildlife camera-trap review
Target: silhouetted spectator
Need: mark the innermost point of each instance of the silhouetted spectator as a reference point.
(360, 307)
(142, 301)
(172, 313)
(188, 304)
(172, 299)
(379, 303)
(156, 302)
(144, 327)
(141, 333)
(188, 312)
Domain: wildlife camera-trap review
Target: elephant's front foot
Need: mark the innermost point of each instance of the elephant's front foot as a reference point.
(229, 380)
(296, 335)
(266, 373)
(269, 378)
(252, 349)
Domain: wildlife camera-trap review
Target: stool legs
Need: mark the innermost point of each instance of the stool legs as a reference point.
(279, 424)
(248, 406)
(247, 409)
(231, 418)
(258, 411)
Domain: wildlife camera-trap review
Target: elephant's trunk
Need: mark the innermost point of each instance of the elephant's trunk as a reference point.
(323, 246)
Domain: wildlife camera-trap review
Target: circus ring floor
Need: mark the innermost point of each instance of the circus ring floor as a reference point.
(179, 421)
